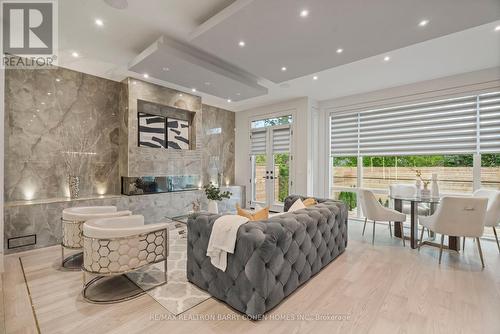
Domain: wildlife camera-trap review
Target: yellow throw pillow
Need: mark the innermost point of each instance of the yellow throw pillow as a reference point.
(259, 215)
(309, 201)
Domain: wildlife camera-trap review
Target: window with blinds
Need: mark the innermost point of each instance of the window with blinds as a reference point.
(489, 122)
(460, 125)
(281, 140)
(258, 142)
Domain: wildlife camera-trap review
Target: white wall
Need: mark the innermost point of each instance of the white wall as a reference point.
(301, 110)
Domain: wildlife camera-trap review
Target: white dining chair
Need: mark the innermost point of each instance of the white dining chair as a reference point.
(458, 217)
(408, 191)
(375, 211)
(492, 210)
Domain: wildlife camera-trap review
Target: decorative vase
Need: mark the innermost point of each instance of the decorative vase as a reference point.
(213, 207)
(435, 186)
(425, 193)
(418, 184)
(74, 186)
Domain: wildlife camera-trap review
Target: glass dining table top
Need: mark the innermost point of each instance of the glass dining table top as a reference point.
(416, 199)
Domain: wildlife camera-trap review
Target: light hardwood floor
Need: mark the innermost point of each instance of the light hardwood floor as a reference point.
(383, 289)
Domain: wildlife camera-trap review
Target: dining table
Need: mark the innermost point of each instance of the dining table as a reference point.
(432, 202)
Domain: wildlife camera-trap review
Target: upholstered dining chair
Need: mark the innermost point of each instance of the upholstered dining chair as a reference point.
(492, 210)
(459, 217)
(375, 211)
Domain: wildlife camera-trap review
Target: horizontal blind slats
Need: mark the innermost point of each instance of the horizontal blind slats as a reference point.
(489, 122)
(258, 142)
(444, 126)
(281, 140)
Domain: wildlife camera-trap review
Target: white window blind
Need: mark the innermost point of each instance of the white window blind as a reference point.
(258, 142)
(489, 125)
(281, 140)
(445, 126)
(344, 135)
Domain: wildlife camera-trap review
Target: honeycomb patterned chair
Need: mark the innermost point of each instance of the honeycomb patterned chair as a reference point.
(118, 245)
(71, 225)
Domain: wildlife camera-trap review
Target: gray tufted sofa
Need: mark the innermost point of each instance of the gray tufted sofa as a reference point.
(272, 258)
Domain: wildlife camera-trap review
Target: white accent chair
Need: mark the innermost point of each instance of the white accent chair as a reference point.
(71, 226)
(408, 191)
(492, 210)
(115, 246)
(375, 211)
(458, 217)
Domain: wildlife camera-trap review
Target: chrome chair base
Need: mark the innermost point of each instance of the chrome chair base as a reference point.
(87, 286)
(73, 262)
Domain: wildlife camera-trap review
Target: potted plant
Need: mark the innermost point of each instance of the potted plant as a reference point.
(214, 195)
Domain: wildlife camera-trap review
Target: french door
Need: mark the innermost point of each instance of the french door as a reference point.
(270, 158)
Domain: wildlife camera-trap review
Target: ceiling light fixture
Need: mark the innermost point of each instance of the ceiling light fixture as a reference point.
(283, 69)
(180, 95)
(304, 13)
(340, 50)
(229, 100)
(166, 69)
(387, 58)
(193, 90)
(315, 77)
(497, 28)
(99, 22)
(242, 44)
(58, 80)
(423, 23)
(75, 54)
(145, 75)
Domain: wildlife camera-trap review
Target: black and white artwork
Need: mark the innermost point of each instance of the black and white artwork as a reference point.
(151, 130)
(177, 134)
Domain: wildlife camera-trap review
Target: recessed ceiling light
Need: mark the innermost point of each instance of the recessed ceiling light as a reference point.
(423, 23)
(497, 28)
(58, 80)
(181, 95)
(145, 75)
(340, 50)
(387, 58)
(315, 77)
(193, 90)
(283, 69)
(99, 22)
(49, 93)
(241, 43)
(43, 103)
(304, 13)
(75, 54)
(166, 69)
(229, 100)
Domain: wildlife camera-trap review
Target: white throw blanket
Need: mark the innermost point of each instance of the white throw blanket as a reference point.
(223, 239)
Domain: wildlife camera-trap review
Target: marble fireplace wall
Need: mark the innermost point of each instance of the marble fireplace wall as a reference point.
(41, 108)
(213, 132)
(218, 140)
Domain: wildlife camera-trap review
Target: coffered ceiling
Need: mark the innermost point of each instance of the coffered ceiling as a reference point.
(242, 47)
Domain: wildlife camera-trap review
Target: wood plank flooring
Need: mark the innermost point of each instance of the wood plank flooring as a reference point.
(380, 289)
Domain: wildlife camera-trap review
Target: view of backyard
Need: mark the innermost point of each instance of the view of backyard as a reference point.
(455, 174)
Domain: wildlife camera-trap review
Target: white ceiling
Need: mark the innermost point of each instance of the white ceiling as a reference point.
(459, 38)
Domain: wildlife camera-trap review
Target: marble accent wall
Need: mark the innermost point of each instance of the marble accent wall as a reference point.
(218, 141)
(209, 146)
(39, 104)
